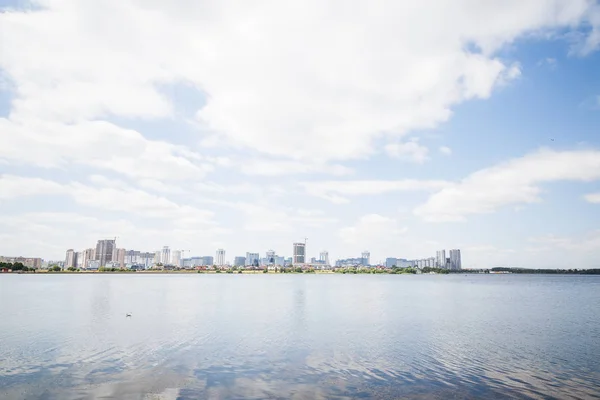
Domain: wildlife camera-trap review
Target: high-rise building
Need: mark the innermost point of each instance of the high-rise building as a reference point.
(239, 261)
(455, 262)
(324, 257)
(390, 262)
(299, 254)
(279, 260)
(252, 259)
(366, 256)
(208, 260)
(121, 257)
(105, 251)
(176, 258)
(88, 255)
(271, 257)
(79, 259)
(71, 259)
(165, 256)
(157, 257)
(220, 257)
(440, 259)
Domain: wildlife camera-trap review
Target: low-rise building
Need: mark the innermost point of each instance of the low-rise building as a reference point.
(29, 262)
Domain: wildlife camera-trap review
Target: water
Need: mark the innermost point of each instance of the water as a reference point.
(299, 336)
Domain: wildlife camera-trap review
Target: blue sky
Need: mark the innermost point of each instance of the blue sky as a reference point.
(363, 126)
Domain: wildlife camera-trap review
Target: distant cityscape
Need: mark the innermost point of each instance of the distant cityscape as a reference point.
(106, 254)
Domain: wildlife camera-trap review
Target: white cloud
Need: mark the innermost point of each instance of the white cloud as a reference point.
(12, 186)
(592, 198)
(410, 150)
(445, 150)
(549, 61)
(284, 80)
(114, 197)
(337, 191)
(584, 45)
(289, 84)
(267, 167)
(101, 180)
(373, 231)
(270, 218)
(138, 202)
(49, 234)
(513, 182)
(589, 242)
(98, 144)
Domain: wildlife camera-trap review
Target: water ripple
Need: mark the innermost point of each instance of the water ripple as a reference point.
(318, 337)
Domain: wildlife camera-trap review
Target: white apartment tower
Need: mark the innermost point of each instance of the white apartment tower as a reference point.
(220, 257)
(165, 256)
(455, 262)
(71, 259)
(106, 251)
(88, 255)
(440, 259)
(121, 257)
(324, 257)
(176, 258)
(299, 253)
(366, 258)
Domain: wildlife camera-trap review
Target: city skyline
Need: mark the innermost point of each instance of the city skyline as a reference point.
(401, 132)
(94, 258)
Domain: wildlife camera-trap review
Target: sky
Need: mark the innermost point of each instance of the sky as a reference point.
(400, 128)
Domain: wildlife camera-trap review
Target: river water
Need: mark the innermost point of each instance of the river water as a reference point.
(199, 336)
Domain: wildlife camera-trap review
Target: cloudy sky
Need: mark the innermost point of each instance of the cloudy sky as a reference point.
(390, 126)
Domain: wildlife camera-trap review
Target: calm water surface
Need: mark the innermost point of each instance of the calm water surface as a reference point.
(299, 337)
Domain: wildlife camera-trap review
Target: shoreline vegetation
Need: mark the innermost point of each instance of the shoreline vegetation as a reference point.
(20, 268)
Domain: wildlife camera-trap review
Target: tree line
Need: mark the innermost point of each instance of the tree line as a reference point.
(18, 266)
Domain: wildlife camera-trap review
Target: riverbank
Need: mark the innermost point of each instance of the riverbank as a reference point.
(154, 272)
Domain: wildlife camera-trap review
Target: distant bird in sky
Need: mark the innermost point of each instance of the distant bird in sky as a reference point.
(552, 140)
(128, 314)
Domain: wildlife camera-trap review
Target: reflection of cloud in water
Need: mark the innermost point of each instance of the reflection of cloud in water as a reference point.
(333, 337)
